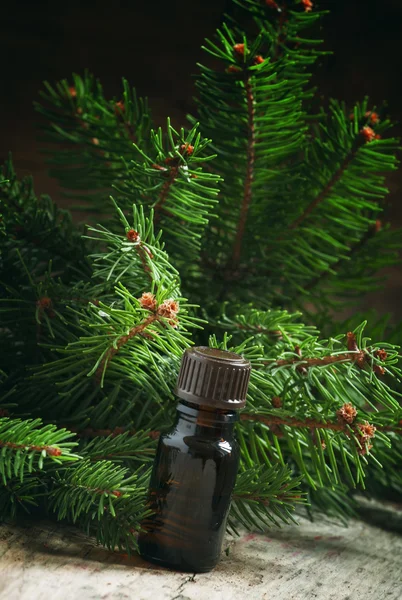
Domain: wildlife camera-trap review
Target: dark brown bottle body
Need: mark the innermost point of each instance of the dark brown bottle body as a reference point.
(190, 490)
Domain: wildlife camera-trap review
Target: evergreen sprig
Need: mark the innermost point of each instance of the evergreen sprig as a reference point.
(98, 136)
(264, 497)
(26, 445)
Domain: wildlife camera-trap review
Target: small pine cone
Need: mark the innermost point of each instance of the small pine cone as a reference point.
(346, 414)
(148, 301)
(377, 136)
(132, 235)
(72, 91)
(258, 60)
(187, 149)
(276, 402)
(368, 134)
(233, 69)
(51, 451)
(308, 5)
(381, 354)
(272, 4)
(366, 430)
(116, 494)
(239, 49)
(372, 117)
(95, 141)
(169, 309)
(44, 303)
(119, 107)
(377, 226)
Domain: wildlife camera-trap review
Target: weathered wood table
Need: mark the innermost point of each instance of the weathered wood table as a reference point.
(315, 560)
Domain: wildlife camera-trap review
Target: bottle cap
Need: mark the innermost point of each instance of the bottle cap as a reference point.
(213, 377)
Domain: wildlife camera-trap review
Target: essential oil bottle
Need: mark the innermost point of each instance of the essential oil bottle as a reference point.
(196, 463)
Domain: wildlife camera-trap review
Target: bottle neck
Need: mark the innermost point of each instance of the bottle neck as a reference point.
(205, 419)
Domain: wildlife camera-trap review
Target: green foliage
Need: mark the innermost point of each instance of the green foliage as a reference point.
(97, 134)
(27, 445)
(186, 194)
(123, 448)
(93, 322)
(258, 487)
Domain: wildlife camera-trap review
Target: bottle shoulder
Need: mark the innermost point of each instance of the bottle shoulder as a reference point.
(201, 444)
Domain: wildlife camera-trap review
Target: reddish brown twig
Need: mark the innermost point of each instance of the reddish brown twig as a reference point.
(50, 450)
(315, 362)
(247, 194)
(265, 501)
(174, 171)
(271, 420)
(142, 250)
(292, 422)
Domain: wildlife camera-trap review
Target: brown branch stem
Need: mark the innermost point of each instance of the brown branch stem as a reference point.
(308, 423)
(292, 422)
(247, 194)
(265, 501)
(141, 253)
(325, 191)
(50, 450)
(318, 362)
(174, 171)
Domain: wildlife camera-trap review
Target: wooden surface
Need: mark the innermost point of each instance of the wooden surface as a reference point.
(320, 560)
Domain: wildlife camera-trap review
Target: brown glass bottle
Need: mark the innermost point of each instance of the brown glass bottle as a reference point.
(196, 464)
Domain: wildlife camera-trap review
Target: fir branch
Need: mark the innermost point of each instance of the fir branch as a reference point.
(337, 175)
(136, 330)
(264, 496)
(123, 447)
(87, 487)
(29, 443)
(360, 357)
(248, 181)
(370, 233)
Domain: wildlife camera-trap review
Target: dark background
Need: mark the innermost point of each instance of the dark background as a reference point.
(156, 45)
